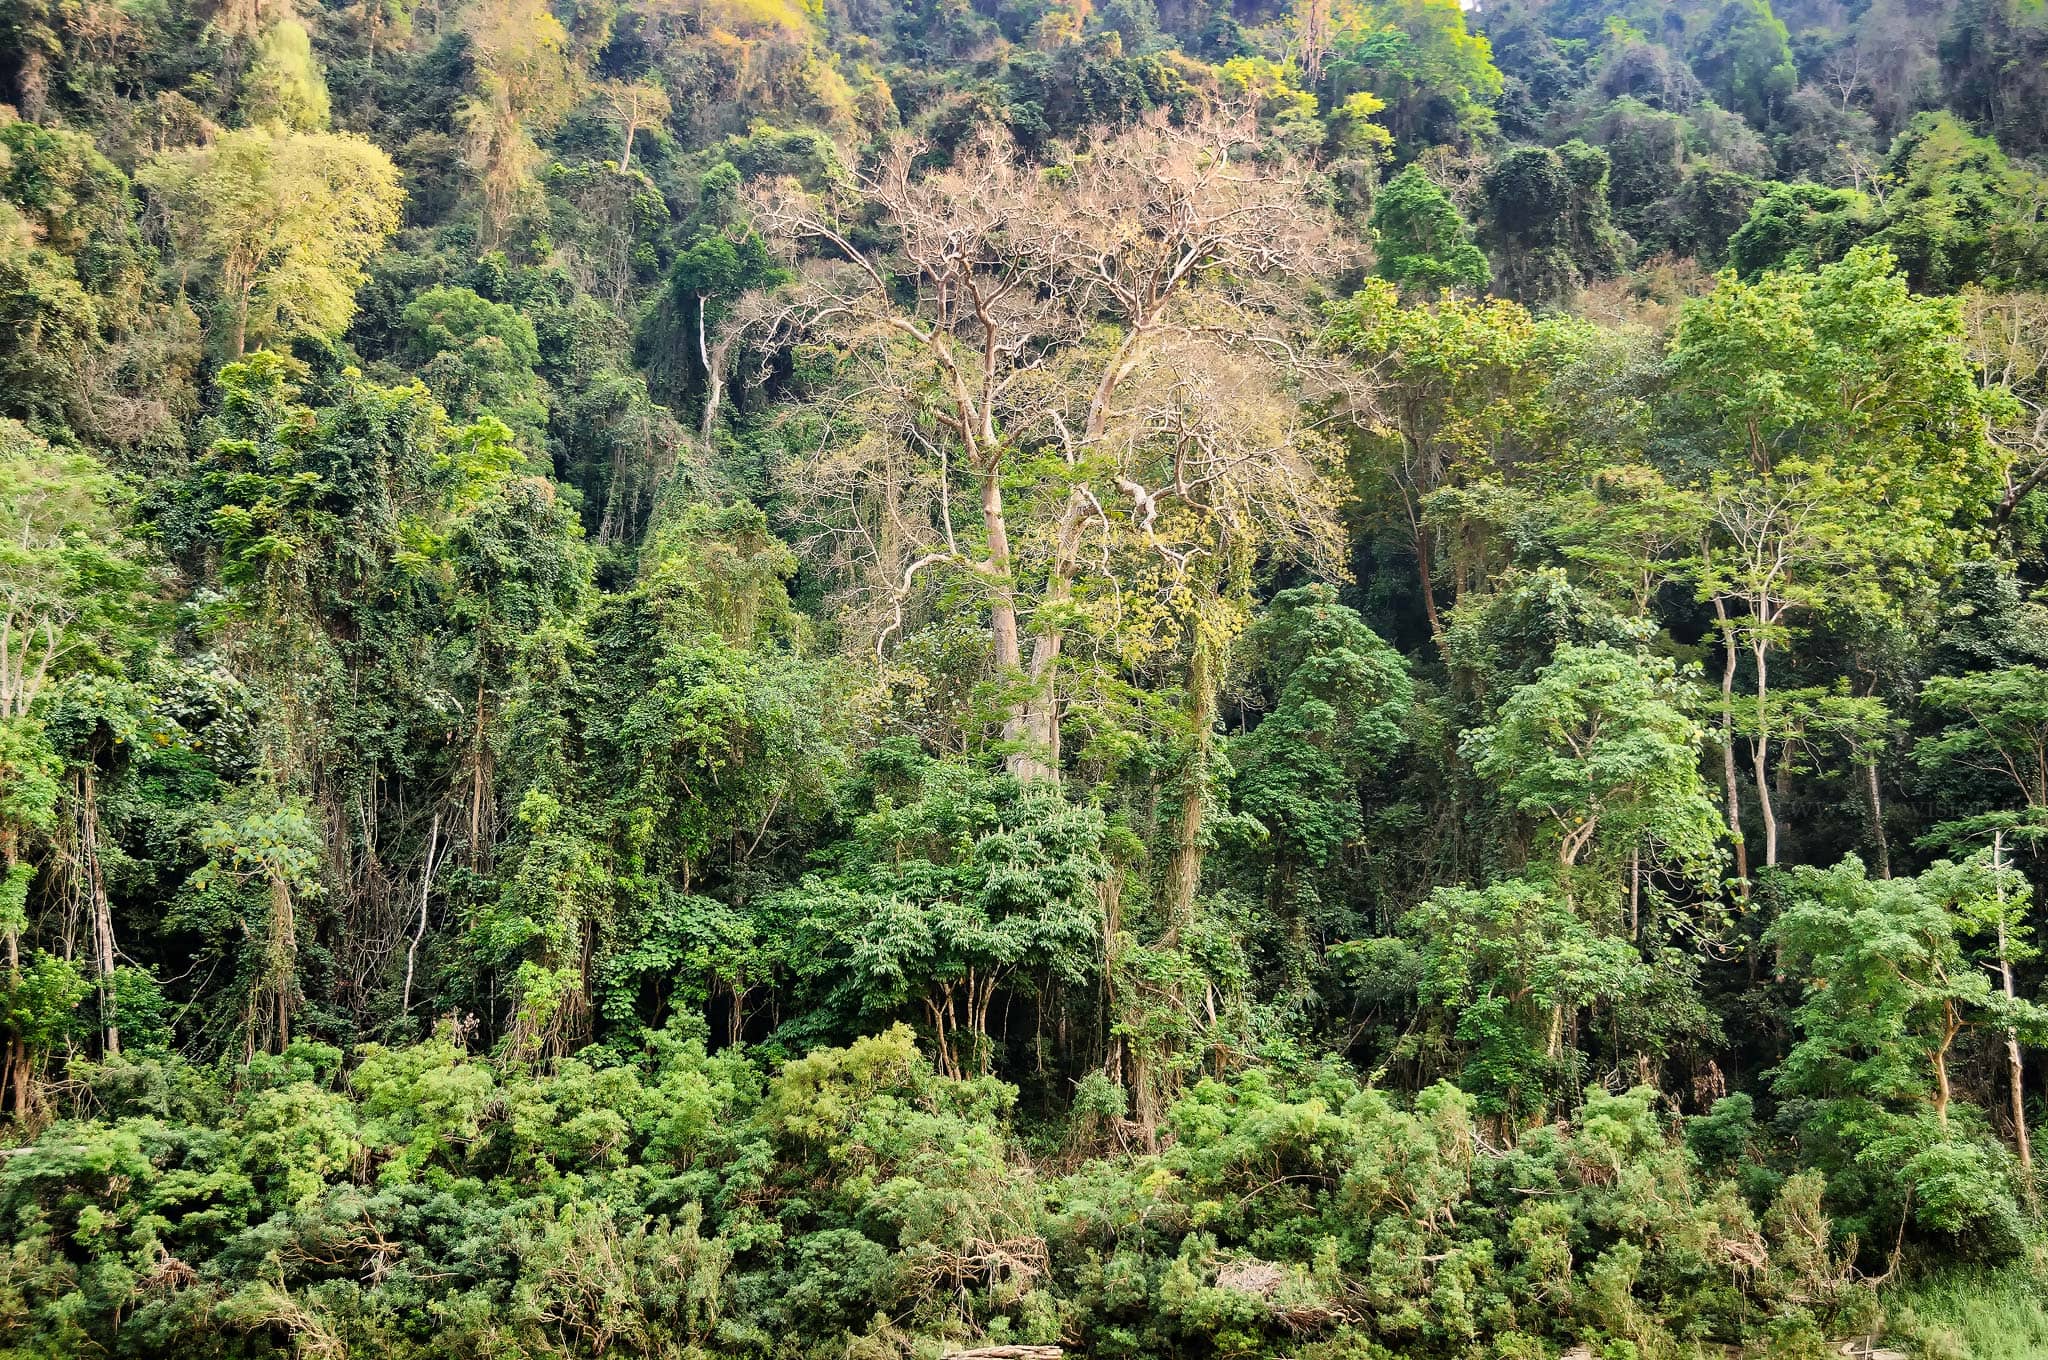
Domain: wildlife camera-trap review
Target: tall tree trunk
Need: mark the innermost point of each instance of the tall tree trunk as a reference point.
(17, 1057)
(478, 778)
(426, 886)
(714, 373)
(1034, 724)
(2015, 1064)
(1877, 836)
(1424, 551)
(238, 338)
(1943, 1092)
(10, 861)
(1003, 612)
(1184, 868)
(20, 1070)
(1728, 783)
(1635, 893)
(270, 1005)
(103, 949)
(1760, 753)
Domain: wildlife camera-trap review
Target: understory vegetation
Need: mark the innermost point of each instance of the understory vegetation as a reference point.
(886, 679)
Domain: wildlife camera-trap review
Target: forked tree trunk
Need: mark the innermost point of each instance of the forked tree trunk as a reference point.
(1760, 754)
(1728, 782)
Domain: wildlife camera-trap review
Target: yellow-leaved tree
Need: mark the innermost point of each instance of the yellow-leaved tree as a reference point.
(279, 224)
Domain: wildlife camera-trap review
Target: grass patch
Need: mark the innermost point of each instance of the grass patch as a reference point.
(1972, 1315)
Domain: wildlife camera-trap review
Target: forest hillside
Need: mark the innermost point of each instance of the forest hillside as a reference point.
(888, 679)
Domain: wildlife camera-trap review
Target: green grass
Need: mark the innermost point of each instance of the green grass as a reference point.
(1972, 1315)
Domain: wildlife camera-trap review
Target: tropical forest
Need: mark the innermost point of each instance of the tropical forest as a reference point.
(1024, 679)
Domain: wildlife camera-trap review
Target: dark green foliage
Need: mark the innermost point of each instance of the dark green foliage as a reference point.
(477, 357)
(1340, 698)
(1991, 67)
(683, 1200)
(1744, 59)
(1422, 243)
(1163, 679)
(1713, 206)
(1551, 230)
(1799, 226)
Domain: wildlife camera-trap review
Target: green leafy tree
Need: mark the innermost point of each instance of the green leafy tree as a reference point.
(71, 582)
(76, 304)
(1799, 226)
(1996, 733)
(72, 597)
(1627, 530)
(973, 886)
(1602, 751)
(635, 104)
(1340, 698)
(1889, 990)
(1864, 729)
(524, 83)
(1465, 381)
(1435, 76)
(1744, 57)
(268, 850)
(478, 358)
(29, 792)
(1549, 229)
(724, 261)
(281, 223)
(1711, 207)
(1507, 969)
(1956, 211)
(285, 86)
(1422, 242)
(518, 567)
(1991, 63)
(1855, 451)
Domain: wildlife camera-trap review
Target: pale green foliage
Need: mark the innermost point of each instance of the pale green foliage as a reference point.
(1507, 967)
(274, 842)
(282, 222)
(1855, 398)
(1888, 987)
(285, 84)
(69, 580)
(1412, 54)
(1999, 730)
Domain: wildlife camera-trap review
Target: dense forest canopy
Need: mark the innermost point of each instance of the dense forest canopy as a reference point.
(901, 678)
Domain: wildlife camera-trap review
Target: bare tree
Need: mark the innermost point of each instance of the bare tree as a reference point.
(1771, 549)
(994, 317)
(2007, 335)
(1845, 73)
(633, 104)
(1895, 57)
